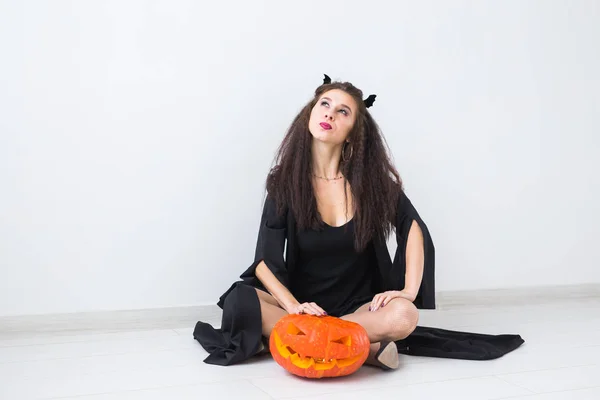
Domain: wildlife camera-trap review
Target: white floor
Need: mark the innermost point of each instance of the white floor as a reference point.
(560, 360)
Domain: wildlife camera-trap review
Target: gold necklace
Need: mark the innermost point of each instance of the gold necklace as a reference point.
(328, 179)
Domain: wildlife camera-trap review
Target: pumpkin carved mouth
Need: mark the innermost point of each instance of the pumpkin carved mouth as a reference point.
(317, 347)
(304, 361)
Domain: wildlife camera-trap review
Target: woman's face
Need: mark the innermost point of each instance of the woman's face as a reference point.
(332, 117)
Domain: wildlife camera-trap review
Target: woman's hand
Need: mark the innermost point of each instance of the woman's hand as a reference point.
(307, 308)
(381, 299)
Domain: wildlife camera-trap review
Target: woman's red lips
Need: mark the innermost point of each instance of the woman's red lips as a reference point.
(325, 125)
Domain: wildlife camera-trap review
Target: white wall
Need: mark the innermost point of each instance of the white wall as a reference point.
(135, 137)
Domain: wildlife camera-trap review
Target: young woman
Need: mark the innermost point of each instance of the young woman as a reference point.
(333, 199)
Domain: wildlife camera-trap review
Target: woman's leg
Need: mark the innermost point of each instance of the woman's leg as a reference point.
(395, 321)
(270, 310)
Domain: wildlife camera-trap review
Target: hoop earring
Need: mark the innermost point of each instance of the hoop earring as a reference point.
(344, 158)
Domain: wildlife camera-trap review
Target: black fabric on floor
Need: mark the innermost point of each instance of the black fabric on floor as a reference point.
(442, 343)
(239, 337)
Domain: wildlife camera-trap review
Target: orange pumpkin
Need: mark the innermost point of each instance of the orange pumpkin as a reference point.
(318, 347)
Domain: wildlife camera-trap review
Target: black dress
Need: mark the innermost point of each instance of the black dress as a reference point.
(330, 272)
(279, 245)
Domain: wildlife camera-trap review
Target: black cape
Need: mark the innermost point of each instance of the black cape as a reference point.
(240, 335)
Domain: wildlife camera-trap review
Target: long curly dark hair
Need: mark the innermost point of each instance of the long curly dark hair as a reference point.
(374, 182)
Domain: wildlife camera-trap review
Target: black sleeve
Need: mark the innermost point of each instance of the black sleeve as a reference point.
(405, 215)
(272, 235)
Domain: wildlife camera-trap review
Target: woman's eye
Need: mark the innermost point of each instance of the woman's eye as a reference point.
(325, 103)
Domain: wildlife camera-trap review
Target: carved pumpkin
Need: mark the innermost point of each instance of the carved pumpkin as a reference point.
(317, 347)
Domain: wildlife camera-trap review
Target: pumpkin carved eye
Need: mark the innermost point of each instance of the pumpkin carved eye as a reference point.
(346, 341)
(316, 347)
(294, 330)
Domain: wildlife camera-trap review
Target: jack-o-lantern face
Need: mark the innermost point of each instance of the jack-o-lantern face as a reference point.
(317, 347)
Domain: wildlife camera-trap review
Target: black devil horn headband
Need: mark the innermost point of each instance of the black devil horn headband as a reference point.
(368, 101)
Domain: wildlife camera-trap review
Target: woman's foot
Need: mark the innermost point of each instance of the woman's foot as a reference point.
(385, 357)
(264, 346)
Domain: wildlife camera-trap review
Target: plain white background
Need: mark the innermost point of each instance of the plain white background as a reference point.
(135, 137)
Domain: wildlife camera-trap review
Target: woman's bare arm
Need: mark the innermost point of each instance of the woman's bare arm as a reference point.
(283, 296)
(415, 260)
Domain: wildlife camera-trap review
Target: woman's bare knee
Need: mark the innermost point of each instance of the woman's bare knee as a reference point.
(401, 318)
